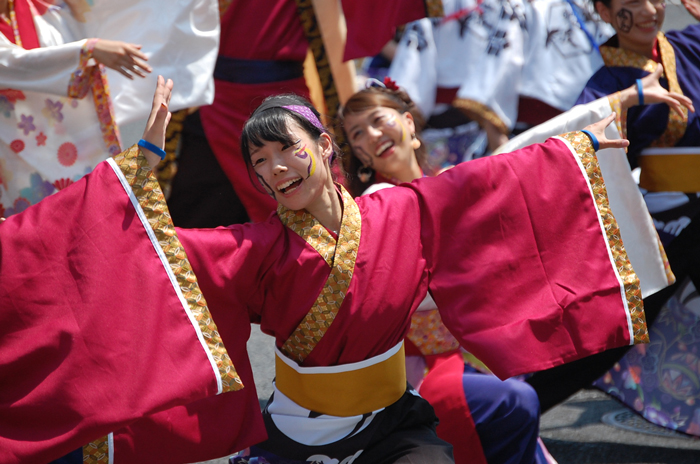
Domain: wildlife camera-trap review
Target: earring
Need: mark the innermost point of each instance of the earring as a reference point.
(364, 173)
(415, 142)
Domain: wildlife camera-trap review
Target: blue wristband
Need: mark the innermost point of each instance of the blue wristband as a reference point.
(149, 146)
(594, 140)
(640, 91)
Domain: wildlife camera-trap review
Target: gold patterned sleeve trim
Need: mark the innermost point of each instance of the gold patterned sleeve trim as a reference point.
(583, 149)
(139, 176)
(97, 451)
(480, 112)
(670, 276)
(434, 9)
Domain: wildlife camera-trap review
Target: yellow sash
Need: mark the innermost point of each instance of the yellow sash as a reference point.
(670, 169)
(345, 390)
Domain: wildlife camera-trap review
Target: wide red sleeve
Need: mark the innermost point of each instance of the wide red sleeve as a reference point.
(230, 264)
(372, 24)
(102, 320)
(525, 260)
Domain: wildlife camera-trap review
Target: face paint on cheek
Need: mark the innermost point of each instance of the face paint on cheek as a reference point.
(312, 165)
(303, 153)
(269, 189)
(625, 19)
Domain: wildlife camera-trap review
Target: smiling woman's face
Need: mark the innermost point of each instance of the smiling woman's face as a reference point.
(636, 22)
(294, 175)
(380, 137)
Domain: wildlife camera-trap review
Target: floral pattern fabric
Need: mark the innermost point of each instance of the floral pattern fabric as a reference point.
(47, 141)
(661, 380)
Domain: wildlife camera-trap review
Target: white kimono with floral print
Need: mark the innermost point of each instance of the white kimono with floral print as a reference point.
(57, 117)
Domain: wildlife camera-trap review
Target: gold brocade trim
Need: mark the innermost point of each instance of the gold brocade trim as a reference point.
(479, 111)
(145, 186)
(97, 451)
(583, 148)
(614, 56)
(429, 334)
(321, 315)
(434, 9)
(677, 124)
(670, 276)
(308, 228)
(620, 114)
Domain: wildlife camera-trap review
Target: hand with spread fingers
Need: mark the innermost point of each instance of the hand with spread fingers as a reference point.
(158, 119)
(121, 56)
(652, 92)
(598, 130)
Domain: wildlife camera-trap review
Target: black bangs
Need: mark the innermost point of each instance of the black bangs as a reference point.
(271, 125)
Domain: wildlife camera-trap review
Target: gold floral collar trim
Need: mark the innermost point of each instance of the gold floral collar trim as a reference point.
(677, 124)
(340, 256)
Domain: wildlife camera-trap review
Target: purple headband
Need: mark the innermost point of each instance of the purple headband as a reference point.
(307, 114)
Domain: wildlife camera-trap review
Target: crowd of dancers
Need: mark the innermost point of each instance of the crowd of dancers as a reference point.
(489, 209)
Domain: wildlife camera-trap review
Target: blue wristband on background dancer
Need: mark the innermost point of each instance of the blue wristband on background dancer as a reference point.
(149, 146)
(594, 140)
(640, 91)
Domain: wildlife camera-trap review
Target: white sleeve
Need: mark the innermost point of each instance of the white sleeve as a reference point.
(495, 50)
(181, 41)
(414, 66)
(45, 69)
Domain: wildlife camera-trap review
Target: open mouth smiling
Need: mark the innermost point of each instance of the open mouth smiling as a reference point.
(384, 148)
(647, 25)
(290, 185)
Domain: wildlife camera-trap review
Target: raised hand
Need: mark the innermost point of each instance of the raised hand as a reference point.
(655, 93)
(121, 56)
(158, 119)
(598, 130)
